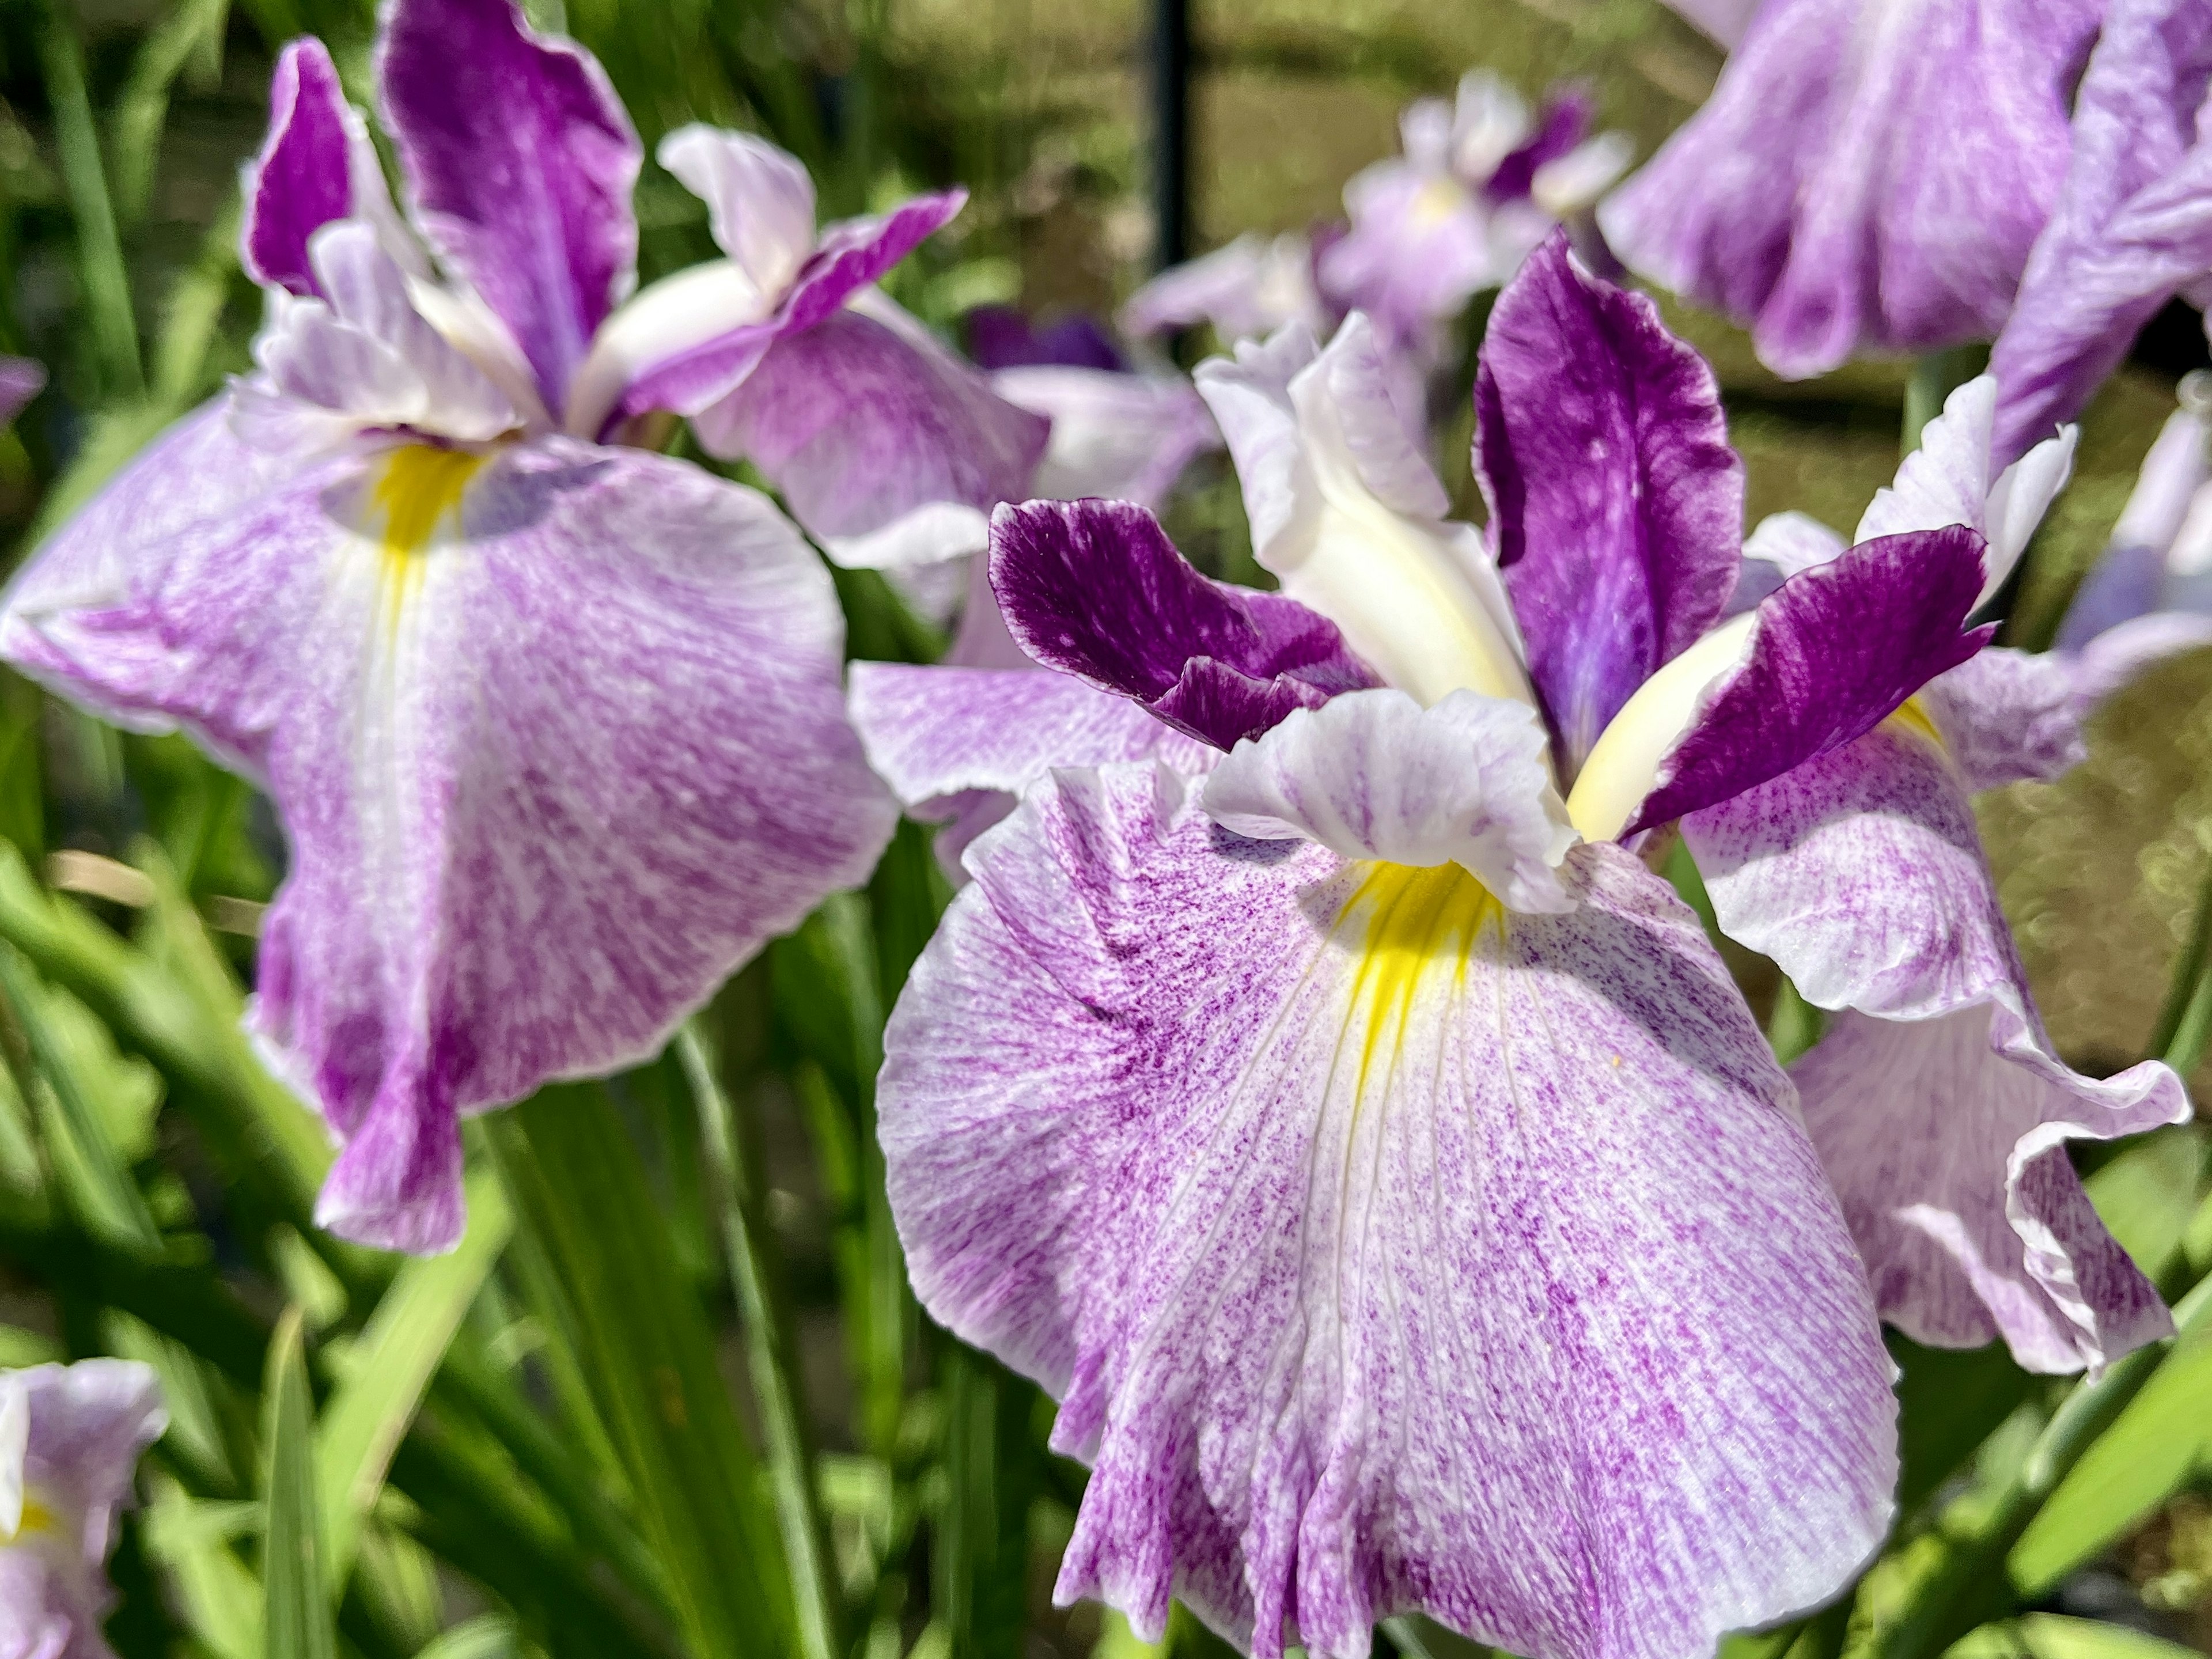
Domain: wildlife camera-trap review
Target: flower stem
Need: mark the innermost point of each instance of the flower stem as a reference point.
(1936, 376)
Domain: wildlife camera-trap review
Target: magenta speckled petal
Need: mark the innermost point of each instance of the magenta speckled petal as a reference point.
(1865, 178)
(2133, 224)
(1616, 503)
(889, 449)
(519, 160)
(1096, 589)
(557, 738)
(1941, 1112)
(850, 255)
(1539, 1318)
(1836, 649)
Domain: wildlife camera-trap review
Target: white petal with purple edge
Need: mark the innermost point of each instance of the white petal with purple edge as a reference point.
(759, 202)
(1941, 1111)
(1372, 775)
(1387, 1251)
(557, 738)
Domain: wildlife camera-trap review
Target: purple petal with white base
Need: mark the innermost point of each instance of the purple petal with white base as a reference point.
(1616, 503)
(849, 255)
(1473, 1329)
(1120, 437)
(1940, 1111)
(521, 848)
(2133, 224)
(70, 1439)
(20, 380)
(1372, 775)
(1096, 590)
(1865, 176)
(889, 450)
(520, 162)
(1833, 652)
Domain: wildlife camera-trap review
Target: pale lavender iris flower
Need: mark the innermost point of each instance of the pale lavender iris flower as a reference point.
(1318, 1094)
(2133, 224)
(1481, 182)
(20, 380)
(1869, 176)
(1244, 289)
(71, 1439)
(555, 728)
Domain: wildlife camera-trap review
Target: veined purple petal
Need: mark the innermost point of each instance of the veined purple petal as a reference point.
(1940, 1111)
(20, 380)
(557, 738)
(1865, 176)
(1616, 503)
(1096, 590)
(1779, 546)
(519, 161)
(303, 178)
(1385, 1251)
(888, 448)
(1372, 775)
(1834, 652)
(851, 254)
(1120, 437)
(2133, 223)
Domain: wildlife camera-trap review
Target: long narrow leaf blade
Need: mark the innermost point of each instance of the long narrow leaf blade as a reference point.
(297, 1607)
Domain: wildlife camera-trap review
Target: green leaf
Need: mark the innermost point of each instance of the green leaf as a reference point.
(296, 1604)
(489, 1638)
(388, 1369)
(192, 1542)
(578, 1186)
(2051, 1636)
(2148, 1190)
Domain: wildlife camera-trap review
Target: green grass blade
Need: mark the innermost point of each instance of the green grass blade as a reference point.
(390, 1367)
(106, 279)
(489, 1638)
(182, 37)
(579, 1185)
(297, 1617)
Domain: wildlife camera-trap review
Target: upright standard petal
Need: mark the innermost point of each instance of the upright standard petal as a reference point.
(1941, 1113)
(1616, 505)
(2133, 224)
(302, 180)
(556, 735)
(1386, 1251)
(1096, 589)
(888, 448)
(1866, 177)
(1372, 775)
(520, 162)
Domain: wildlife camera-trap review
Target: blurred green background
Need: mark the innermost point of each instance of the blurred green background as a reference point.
(710, 1420)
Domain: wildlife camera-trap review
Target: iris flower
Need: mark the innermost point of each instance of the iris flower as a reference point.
(1479, 183)
(1866, 176)
(555, 728)
(1245, 288)
(70, 1438)
(1326, 1102)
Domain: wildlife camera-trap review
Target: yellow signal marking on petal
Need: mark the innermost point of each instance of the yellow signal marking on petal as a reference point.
(37, 1518)
(1912, 715)
(1417, 921)
(420, 486)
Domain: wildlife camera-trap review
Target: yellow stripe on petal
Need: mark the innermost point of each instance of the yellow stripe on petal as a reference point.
(417, 492)
(1912, 715)
(1418, 922)
(37, 1518)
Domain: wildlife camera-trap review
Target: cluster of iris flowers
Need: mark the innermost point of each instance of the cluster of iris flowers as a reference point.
(1312, 1084)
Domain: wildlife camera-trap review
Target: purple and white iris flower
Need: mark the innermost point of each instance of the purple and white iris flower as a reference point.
(1479, 183)
(1328, 1104)
(555, 728)
(71, 1439)
(1245, 291)
(2133, 223)
(1867, 176)
(20, 380)
(2150, 596)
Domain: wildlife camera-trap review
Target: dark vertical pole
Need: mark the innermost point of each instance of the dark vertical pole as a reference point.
(1170, 131)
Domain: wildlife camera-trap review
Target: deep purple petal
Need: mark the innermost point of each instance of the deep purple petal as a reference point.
(1941, 1111)
(550, 765)
(863, 420)
(1096, 590)
(302, 180)
(1543, 1322)
(2133, 223)
(851, 253)
(20, 380)
(1835, 650)
(1864, 177)
(1000, 336)
(1616, 503)
(519, 161)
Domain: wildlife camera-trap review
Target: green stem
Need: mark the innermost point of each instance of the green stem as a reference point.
(1795, 1025)
(1935, 377)
(107, 281)
(767, 1358)
(2184, 1024)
